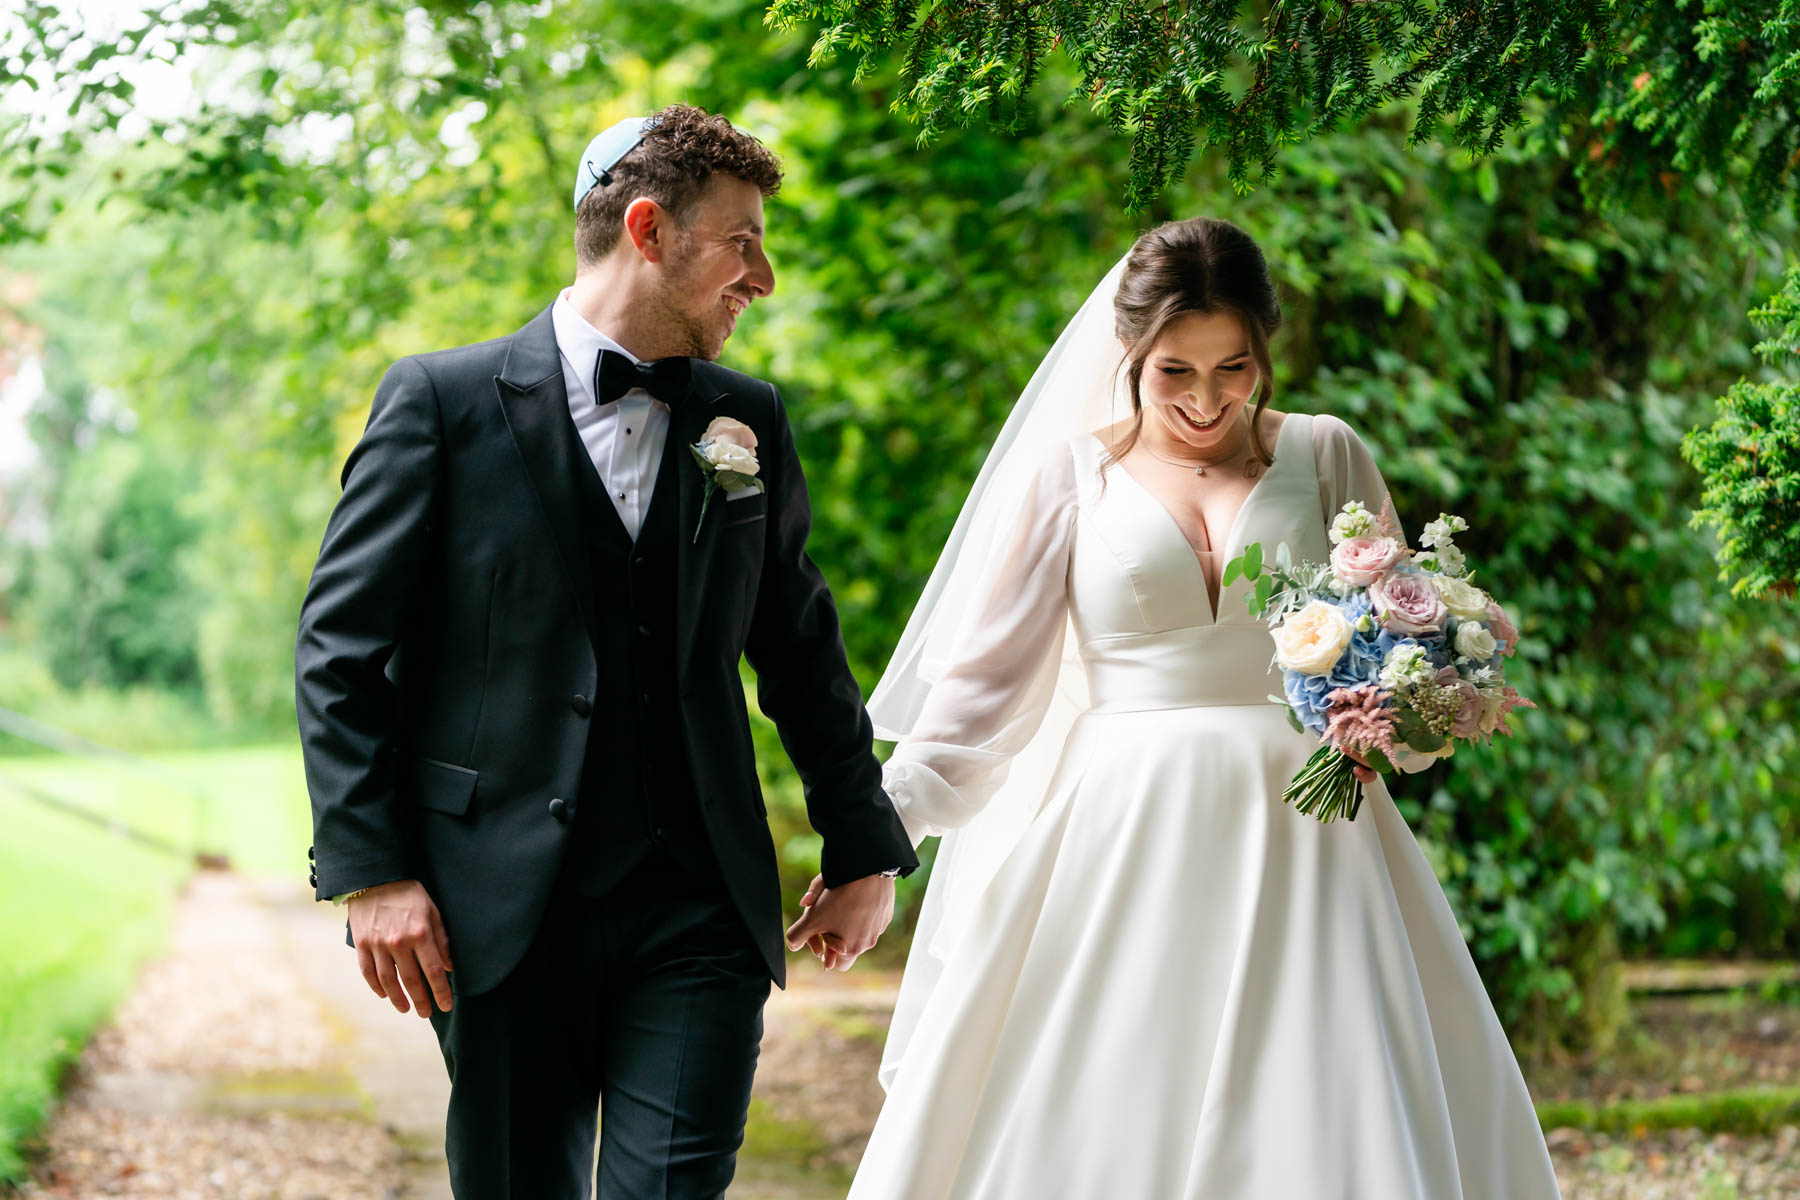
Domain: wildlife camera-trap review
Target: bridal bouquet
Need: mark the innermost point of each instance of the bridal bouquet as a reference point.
(1382, 650)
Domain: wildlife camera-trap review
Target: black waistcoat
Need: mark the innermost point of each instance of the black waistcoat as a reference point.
(637, 790)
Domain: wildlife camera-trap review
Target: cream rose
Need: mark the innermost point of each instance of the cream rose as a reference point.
(729, 456)
(1407, 603)
(1362, 560)
(1474, 641)
(1461, 597)
(1313, 639)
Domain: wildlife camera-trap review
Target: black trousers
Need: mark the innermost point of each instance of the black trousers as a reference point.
(647, 1004)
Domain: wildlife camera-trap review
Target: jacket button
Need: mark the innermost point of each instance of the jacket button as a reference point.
(646, 699)
(643, 631)
(309, 854)
(581, 706)
(559, 810)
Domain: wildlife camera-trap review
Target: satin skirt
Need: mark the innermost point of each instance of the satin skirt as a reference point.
(1177, 988)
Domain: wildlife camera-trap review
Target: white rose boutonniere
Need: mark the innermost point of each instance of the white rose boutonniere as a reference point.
(726, 452)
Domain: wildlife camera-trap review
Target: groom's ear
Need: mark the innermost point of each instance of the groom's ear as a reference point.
(648, 226)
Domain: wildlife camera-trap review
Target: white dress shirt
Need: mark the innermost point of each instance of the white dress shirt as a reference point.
(624, 438)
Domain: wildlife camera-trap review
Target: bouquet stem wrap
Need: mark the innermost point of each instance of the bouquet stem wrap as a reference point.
(1326, 787)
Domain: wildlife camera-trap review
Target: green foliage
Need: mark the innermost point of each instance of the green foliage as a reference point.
(1750, 460)
(1661, 93)
(1167, 74)
(1748, 1112)
(134, 718)
(1705, 88)
(110, 603)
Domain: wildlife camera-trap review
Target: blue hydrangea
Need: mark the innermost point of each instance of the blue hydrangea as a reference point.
(1306, 695)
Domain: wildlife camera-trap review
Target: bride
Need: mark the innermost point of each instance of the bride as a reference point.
(1138, 975)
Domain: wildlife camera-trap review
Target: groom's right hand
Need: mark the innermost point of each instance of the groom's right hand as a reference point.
(401, 945)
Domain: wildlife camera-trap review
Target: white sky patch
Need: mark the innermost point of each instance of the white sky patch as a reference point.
(17, 395)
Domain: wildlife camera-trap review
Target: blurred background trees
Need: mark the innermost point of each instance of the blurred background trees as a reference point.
(216, 285)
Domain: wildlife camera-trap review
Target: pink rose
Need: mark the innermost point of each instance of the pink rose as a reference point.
(1407, 603)
(1467, 722)
(1501, 626)
(1361, 560)
(731, 432)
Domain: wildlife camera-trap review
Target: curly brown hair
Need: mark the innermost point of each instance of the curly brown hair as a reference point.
(687, 147)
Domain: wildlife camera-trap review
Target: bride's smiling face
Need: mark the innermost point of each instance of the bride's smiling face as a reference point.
(1198, 381)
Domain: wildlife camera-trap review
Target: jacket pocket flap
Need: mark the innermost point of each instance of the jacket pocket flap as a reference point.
(444, 787)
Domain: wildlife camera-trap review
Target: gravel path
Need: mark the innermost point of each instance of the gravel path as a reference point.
(221, 1078)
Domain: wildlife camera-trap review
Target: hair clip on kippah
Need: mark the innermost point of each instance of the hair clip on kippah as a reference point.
(611, 145)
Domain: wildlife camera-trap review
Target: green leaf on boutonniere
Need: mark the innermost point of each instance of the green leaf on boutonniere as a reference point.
(1253, 560)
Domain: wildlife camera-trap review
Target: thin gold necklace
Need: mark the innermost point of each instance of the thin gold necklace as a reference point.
(1200, 468)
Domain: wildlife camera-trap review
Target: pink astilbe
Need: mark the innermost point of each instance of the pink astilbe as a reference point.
(1387, 524)
(1509, 700)
(1358, 719)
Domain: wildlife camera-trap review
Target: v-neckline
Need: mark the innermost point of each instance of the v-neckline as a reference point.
(1236, 518)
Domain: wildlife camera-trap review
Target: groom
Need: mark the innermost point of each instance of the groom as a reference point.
(524, 731)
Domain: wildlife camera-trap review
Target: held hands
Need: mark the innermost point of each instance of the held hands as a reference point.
(401, 946)
(842, 922)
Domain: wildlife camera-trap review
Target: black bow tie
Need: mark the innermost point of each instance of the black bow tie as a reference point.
(615, 374)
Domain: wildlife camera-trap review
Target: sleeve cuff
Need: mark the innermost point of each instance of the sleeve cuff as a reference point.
(893, 782)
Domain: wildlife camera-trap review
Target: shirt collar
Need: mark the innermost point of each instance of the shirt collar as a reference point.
(581, 343)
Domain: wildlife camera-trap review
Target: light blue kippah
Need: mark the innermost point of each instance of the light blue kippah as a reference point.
(605, 151)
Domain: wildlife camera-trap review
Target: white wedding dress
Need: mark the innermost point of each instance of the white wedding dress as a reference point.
(1173, 986)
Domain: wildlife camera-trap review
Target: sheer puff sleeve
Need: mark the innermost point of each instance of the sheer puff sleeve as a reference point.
(996, 683)
(1347, 471)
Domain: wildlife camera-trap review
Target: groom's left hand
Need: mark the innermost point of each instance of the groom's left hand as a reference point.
(842, 922)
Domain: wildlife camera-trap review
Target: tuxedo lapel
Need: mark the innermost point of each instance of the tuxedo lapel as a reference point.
(693, 558)
(536, 405)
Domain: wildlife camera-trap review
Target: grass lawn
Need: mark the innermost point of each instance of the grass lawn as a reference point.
(249, 803)
(81, 908)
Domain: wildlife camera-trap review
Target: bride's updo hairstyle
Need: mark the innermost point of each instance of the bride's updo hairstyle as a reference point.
(1202, 265)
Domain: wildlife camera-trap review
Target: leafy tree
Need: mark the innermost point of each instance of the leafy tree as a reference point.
(1680, 85)
(109, 602)
(1751, 459)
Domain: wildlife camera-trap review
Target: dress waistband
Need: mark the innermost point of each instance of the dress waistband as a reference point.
(1182, 668)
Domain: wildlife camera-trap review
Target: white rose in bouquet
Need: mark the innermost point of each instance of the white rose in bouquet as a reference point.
(1313, 639)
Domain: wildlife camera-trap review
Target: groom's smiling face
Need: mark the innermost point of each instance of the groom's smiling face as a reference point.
(715, 267)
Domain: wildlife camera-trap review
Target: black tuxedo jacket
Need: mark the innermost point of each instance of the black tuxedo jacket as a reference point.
(445, 674)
